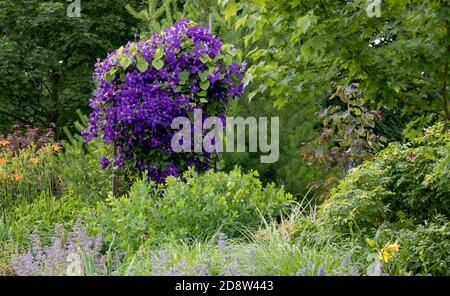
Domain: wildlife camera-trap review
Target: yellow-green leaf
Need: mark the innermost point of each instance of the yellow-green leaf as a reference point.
(230, 10)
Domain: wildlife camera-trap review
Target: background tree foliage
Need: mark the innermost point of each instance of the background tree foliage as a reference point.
(371, 77)
(47, 58)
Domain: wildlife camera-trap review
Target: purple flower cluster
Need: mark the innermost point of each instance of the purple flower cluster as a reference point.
(53, 259)
(144, 85)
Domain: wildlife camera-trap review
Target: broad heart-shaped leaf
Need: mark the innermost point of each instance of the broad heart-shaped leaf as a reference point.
(204, 84)
(203, 75)
(120, 50)
(184, 76)
(201, 93)
(205, 58)
(125, 62)
(142, 64)
(157, 64)
(159, 53)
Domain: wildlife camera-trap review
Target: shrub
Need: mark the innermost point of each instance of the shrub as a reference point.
(144, 85)
(78, 167)
(405, 184)
(424, 250)
(194, 206)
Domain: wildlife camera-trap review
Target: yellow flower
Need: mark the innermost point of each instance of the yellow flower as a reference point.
(4, 143)
(17, 177)
(3, 161)
(35, 160)
(56, 147)
(388, 252)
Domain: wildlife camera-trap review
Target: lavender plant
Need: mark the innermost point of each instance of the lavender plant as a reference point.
(144, 85)
(59, 257)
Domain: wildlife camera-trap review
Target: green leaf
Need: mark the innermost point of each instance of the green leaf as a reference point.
(228, 59)
(125, 62)
(230, 10)
(205, 84)
(212, 107)
(133, 49)
(109, 76)
(205, 58)
(184, 76)
(142, 64)
(280, 102)
(157, 64)
(120, 50)
(203, 75)
(201, 93)
(305, 21)
(159, 53)
(240, 22)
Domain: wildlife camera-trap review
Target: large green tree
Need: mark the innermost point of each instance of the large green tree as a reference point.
(47, 58)
(356, 66)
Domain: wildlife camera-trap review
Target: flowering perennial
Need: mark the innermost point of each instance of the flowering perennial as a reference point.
(144, 85)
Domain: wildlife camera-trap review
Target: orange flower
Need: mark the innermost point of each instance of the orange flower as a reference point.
(3, 161)
(17, 178)
(56, 147)
(4, 143)
(35, 160)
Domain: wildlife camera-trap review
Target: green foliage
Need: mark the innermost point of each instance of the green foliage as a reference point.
(155, 14)
(27, 173)
(306, 51)
(128, 220)
(195, 206)
(275, 249)
(79, 166)
(47, 58)
(296, 127)
(424, 250)
(55, 169)
(7, 249)
(347, 132)
(201, 204)
(405, 184)
(42, 213)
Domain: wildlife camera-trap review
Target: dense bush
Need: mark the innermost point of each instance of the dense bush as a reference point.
(194, 206)
(424, 250)
(144, 85)
(405, 184)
